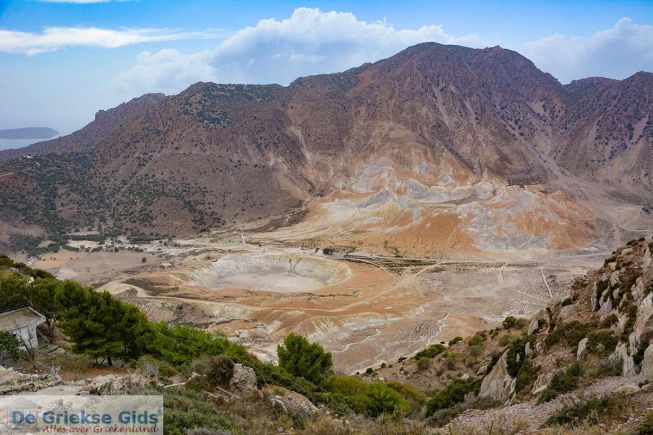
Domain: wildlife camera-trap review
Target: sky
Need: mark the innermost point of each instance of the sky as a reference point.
(62, 60)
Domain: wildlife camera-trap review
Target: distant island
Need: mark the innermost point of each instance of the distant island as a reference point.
(28, 133)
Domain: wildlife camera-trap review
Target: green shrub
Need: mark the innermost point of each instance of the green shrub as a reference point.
(608, 367)
(445, 416)
(423, 363)
(506, 339)
(451, 360)
(589, 412)
(372, 398)
(571, 333)
(639, 354)
(150, 366)
(301, 358)
(431, 351)
(602, 342)
(631, 309)
(510, 322)
(9, 348)
(455, 340)
(476, 350)
(526, 375)
(475, 340)
(646, 426)
(221, 370)
(562, 382)
(452, 394)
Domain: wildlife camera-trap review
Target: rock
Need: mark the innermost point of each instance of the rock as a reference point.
(596, 300)
(646, 260)
(498, 384)
(482, 370)
(647, 387)
(614, 278)
(567, 313)
(606, 306)
(647, 364)
(581, 353)
(532, 327)
(112, 384)
(527, 349)
(290, 402)
(643, 327)
(627, 389)
(243, 380)
(105, 384)
(542, 382)
(621, 354)
(638, 289)
(465, 376)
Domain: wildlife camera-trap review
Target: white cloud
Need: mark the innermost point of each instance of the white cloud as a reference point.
(308, 42)
(55, 38)
(617, 52)
(166, 71)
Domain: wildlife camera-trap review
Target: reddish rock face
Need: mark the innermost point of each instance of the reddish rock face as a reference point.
(480, 141)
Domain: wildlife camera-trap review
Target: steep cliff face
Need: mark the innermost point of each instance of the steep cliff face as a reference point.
(438, 150)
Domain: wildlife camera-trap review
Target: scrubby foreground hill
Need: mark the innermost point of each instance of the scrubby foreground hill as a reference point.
(584, 363)
(438, 150)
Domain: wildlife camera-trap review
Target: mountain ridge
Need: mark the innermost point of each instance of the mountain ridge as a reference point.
(420, 126)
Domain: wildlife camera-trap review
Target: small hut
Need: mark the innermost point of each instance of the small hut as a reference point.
(22, 322)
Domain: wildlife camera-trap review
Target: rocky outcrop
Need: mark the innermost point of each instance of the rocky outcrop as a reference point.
(113, 384)
(243, 380)
(647, 364)
(498, 384)
(13, 382)
(581, 353)
(289, 402)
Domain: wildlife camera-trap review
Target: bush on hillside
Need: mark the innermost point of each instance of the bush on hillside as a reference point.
(301, 358)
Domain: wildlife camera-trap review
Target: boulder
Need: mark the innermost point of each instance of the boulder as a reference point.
(638, 289)
(527, 349)
(646, 260)
(481, 371)
(647, 364)
(105, 384)
(567, 313)
(643, 327)
(627, 389)
(596, 300)
(621, 354)
(542, 382)
(112, 384)
(290, 402)
(581, 353)
(605, 306)
(243, 380)
(614, 278)
(498, 384)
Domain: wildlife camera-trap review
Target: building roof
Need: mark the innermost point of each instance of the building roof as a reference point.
(14, 319)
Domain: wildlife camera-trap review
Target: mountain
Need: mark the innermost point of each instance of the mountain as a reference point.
(436, 151)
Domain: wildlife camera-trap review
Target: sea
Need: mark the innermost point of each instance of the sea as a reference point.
(8, 144)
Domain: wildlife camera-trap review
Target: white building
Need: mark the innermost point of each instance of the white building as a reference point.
(22, 322)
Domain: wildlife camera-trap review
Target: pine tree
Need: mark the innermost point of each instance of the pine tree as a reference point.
(301, 358)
